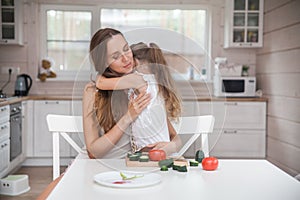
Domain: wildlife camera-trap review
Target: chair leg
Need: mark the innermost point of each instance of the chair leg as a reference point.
(56, 163)
(204, 144)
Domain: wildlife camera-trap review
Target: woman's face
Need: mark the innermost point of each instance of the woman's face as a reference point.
(119, 55)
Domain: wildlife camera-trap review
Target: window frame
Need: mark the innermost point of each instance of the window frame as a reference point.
(96, 24)
(64, 75)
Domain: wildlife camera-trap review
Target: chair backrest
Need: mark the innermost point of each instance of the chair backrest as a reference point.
(196, 126)
(62, 125)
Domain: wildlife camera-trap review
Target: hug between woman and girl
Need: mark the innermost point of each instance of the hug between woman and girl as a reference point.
(131, 104)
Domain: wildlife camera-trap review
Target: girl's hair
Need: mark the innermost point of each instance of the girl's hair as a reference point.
(155, 59)
(107, 114)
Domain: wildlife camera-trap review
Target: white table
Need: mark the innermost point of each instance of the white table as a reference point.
(233, 180)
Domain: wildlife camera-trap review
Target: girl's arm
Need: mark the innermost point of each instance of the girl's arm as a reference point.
(119, 83)
(97, 145)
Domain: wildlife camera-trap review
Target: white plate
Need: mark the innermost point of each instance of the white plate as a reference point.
(114, 179)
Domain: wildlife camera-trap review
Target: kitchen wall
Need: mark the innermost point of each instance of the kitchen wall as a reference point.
(278, 73)
(27, 57)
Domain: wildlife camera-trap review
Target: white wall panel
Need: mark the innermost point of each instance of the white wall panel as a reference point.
(279, 62)
(276, 21)
(284, 130)
(285, 108)
(274, 4)
(279, 78)
(285, 84)
(283, 39)
(284, 153)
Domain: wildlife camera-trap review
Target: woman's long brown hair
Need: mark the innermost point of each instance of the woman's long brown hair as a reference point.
(109, 105)
(154, 57)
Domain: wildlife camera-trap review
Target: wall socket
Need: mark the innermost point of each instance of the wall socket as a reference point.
(14, 70)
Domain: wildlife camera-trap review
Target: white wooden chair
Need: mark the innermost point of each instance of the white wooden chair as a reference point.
(61, 125)
(196, 126)
(64, 124)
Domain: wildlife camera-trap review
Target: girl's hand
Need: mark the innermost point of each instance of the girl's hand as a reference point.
(137, 105)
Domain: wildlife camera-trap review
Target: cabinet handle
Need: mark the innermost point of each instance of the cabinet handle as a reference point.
(3, 109)
(51, 102)
(231, 103)
(3, 127)
(230, 131)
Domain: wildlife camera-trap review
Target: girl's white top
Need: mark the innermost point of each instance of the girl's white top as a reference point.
(151, 125)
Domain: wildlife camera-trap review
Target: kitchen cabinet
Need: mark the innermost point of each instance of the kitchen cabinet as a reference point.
(11, 24)
(239, 130)
(42, 140)
(243, 26)
(4, 139)
(27, 127)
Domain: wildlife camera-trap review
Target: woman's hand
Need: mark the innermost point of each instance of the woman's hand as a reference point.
(168, 147)
(137, 105)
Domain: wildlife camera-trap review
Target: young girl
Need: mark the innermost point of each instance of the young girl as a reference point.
(152, 125)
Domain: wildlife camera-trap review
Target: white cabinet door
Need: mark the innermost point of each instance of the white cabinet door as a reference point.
(188, 108)
(235, 115)
(42, 137)
(4, 156)
(11, 24)
(239, 129)
(27, 127)
(238, 143)
(217, 109)
(243, 23)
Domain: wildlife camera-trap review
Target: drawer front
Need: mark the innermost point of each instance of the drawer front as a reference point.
(235, 115)
(4, 130)
(238, 144)
(4, 114)
(4, 155)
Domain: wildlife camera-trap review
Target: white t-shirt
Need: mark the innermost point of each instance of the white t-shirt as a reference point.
(151, 125)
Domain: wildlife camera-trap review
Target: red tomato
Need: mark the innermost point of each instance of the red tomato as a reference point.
(157, 155)
(210, 163)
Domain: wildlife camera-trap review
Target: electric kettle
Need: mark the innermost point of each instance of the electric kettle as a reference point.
(23, 85)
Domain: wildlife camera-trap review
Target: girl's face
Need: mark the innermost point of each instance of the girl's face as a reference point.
(119, 55)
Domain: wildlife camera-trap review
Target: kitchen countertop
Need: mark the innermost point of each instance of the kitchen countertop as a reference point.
(57, 97)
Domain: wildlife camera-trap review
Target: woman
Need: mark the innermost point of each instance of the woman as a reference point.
(107, 116)
(165, 103)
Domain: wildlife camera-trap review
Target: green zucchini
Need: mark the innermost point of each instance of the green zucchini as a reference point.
(167, 162)
(199, 156)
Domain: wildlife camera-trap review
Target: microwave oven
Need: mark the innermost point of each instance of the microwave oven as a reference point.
(234, 86)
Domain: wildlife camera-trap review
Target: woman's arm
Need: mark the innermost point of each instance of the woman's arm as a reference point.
(99, 146)
(125, 82)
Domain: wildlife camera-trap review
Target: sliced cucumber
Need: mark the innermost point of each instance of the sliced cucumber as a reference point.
(179, 168)
(164, 168)
(194, 163)
(134, 157)
(144, 158)
(182, 168)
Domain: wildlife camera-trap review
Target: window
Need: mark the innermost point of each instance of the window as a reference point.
(182, 33)
(67, 33)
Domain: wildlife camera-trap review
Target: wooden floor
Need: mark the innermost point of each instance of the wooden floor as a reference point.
(39, 178)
